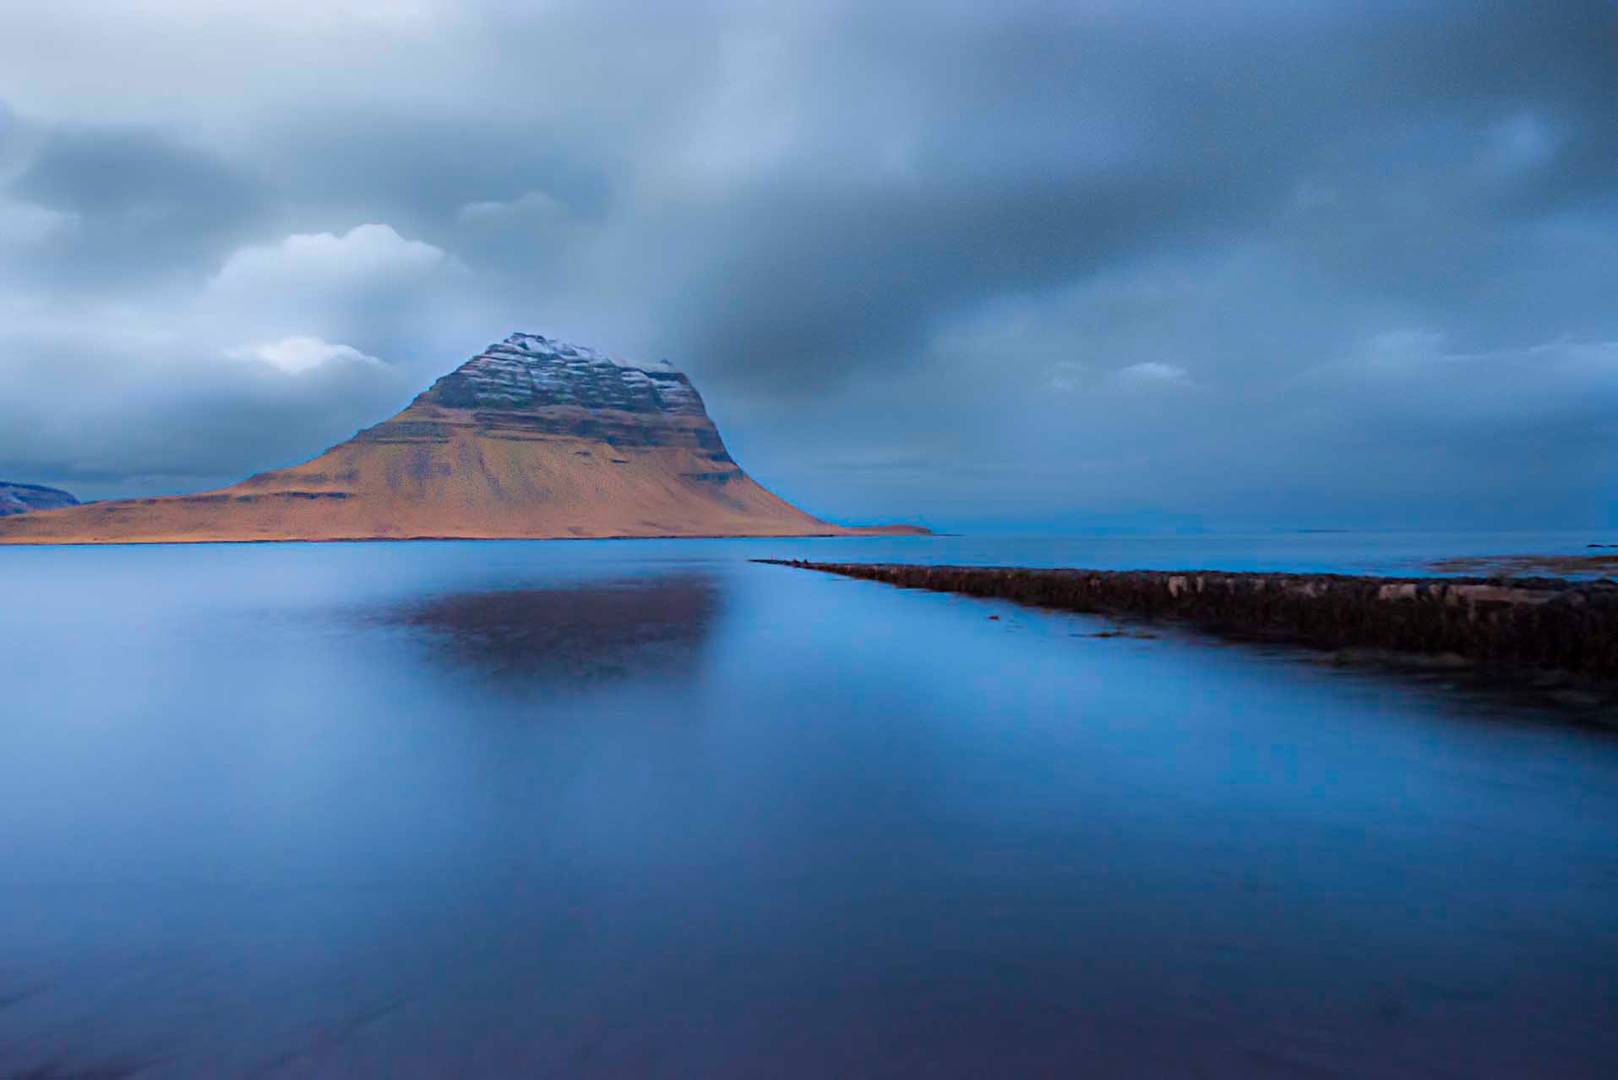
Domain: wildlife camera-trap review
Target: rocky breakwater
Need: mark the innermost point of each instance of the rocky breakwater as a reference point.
(1513, 623)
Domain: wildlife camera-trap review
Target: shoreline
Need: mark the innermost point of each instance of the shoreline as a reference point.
(1582, 566)
(836, 532)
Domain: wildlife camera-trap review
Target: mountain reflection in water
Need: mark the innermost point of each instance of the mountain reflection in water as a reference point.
(592, 632)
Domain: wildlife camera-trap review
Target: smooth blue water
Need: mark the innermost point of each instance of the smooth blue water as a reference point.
(646, 808)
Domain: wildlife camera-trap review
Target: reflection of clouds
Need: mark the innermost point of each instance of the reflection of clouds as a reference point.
(588, 632)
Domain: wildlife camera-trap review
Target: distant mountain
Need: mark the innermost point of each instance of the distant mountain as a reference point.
(532, 438)
(25, 498)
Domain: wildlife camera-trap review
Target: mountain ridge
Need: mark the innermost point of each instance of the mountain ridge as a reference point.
(20, 498)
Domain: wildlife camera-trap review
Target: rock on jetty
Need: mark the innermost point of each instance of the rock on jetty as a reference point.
(1510, 622)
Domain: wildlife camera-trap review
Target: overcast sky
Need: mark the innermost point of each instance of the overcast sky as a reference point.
(1118, 263)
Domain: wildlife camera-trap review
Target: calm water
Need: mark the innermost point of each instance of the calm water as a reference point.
(645, 808)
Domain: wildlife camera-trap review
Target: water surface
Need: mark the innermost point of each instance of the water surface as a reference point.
(647, 808)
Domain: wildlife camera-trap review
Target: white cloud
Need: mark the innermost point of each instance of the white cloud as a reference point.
(1520, 143)
(366, 254)
(370, 287)
(1067, 375)
(1402, 346)
(1154, 372)
(1416, 376)
(532, 206)
(295, 355)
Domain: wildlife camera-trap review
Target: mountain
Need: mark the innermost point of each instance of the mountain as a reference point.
(26, 498)
(532, 438)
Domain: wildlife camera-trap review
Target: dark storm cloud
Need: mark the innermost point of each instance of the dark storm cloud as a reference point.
(1051, 144)
(1046, 262)
(434, 166)
(822, 283)
(142, 203)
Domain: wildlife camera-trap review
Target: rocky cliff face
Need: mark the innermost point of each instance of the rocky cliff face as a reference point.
(531, 438)
(529, 386)
(529, 371)
(25, 498)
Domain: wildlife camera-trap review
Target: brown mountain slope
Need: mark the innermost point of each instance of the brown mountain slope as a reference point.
(530, 439)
